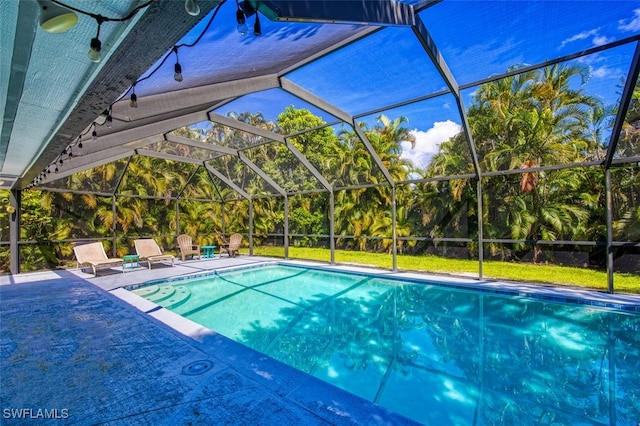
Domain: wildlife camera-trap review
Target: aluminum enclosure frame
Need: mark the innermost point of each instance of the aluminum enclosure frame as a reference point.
(153, 125)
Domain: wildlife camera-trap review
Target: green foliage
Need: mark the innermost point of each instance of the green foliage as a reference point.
(534, 120)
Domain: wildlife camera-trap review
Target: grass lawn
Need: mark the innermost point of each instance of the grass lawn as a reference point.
(523, 272)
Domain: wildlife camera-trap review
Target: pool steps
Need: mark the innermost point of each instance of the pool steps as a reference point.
(168, 296)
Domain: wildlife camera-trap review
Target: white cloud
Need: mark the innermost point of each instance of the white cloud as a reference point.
(632, 24)
(428, 143)
(602, 72)
(594, 35)
(600, 40)
(580, 36)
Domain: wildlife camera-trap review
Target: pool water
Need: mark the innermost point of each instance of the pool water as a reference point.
(440, 355)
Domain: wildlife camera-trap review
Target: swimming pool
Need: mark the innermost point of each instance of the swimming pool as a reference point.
(438, 354)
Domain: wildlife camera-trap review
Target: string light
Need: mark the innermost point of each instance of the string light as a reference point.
(257, 31)
(192, 8)
(177, 76)
(241, 20)
(96, 46)
(177, 67)
(244, 11)
(133, 101)
(95, 55)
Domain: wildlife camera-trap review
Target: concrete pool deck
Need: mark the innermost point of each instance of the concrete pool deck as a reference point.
(72, 351)
(84, 350)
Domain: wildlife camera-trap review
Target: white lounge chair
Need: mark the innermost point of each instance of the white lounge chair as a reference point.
(149, 251)
(93, 254)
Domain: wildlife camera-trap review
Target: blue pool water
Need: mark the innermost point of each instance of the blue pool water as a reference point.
(440, 355)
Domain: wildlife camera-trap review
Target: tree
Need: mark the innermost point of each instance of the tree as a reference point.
(534, 119)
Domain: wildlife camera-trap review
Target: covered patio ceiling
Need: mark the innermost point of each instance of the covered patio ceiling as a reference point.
(334, 58)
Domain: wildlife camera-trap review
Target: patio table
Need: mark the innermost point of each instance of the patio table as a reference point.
(129, 261)
(208, 252)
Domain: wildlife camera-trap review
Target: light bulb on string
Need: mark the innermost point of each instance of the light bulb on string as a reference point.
(192, 8)
(96, 46)
(257, 30)
(133, 101)
(242, 22)
(177, 76)
(94, 50)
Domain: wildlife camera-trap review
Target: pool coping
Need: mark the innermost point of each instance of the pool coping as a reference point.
(617, 301)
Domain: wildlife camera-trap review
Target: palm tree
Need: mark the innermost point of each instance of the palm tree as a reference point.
(529, 120)
(626, 182)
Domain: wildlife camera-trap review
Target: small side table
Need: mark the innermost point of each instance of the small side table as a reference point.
(208, 252)
(130, 261)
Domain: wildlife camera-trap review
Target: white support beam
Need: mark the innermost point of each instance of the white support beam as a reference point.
(429, 45)
(171, 157)
(381, 12)
(19, 60)
(314, 100)
(72, 167)
(257, 170)
(95, 150)
(373, 154)
(152, 128)
(124, 58)
(424, 4)
(239, 125)
(219, 175)
(627, 94)
(201, 97)
(308, 165)
(197, 144)
(94, 154)
(421, 32)
(228, 182)
(229, 151)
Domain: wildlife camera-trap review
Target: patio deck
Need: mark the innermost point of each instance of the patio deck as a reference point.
(72, 349)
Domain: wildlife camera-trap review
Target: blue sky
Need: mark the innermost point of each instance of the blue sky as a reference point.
(477, 39)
